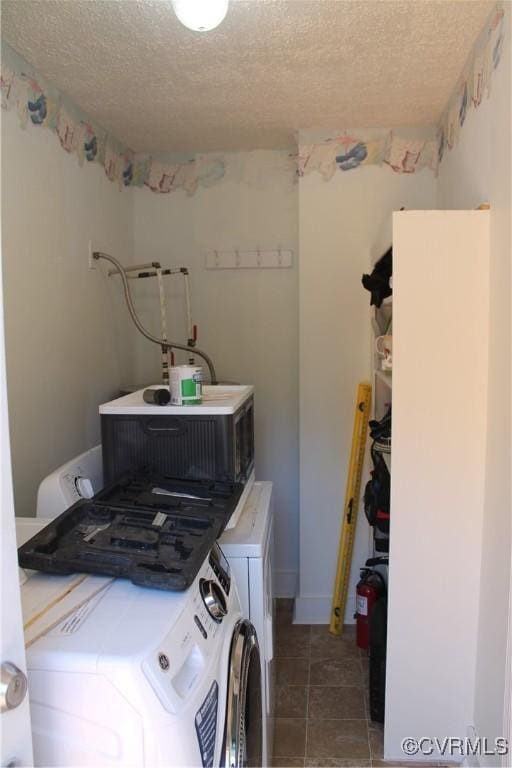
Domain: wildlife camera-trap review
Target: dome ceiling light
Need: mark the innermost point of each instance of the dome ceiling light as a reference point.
(200, 15)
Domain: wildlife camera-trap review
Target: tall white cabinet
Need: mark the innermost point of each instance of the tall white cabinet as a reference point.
(440, 371)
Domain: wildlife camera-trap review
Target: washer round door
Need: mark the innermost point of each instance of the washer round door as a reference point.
(243, 742)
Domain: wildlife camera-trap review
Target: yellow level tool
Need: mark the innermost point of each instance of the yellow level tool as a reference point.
(352, 494)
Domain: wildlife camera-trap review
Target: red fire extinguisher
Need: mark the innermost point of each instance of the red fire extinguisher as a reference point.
(370, 586)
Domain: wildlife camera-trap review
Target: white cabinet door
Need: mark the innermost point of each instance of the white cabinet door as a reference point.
(440, 371)
(16, 737)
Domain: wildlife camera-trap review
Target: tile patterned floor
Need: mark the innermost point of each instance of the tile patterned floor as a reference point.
(321, 699)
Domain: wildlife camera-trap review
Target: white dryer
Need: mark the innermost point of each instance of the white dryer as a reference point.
(142, 677)
(248, 547)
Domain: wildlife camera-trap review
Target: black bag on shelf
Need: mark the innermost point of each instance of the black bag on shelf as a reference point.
(378, 282)
(380, 542)
(382, 521)
(377, 493)
(381, 430)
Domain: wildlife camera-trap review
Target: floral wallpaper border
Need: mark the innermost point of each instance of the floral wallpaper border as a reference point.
(346, 152)
(475, 81)
(40, 104)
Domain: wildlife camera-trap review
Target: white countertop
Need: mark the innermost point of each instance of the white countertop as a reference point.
(221, 400)
(248, 537)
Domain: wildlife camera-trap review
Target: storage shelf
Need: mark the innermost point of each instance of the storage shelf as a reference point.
(385, 377)
(382, 317)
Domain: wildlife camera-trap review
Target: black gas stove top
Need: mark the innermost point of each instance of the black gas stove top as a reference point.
(154, 530)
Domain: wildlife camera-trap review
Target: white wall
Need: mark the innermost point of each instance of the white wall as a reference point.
(248, 319)
(340, 221)
(479, 169)
(66, 344)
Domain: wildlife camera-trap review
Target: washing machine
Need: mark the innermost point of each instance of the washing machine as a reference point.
(143, 677)
(248, 546)
(82, 477)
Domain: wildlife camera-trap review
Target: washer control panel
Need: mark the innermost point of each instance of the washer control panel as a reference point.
(220, 567)
(213, 599)
(75, 484)
(199, 625)
(176, 664)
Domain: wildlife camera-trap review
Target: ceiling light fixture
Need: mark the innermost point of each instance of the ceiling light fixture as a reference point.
(200, 15)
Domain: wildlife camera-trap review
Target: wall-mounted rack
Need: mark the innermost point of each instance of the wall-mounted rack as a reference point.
(257, 259)
(155, 269)
(164, 343)
(149, 270)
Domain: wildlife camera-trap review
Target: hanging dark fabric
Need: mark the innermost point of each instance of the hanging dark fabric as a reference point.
(378, 281)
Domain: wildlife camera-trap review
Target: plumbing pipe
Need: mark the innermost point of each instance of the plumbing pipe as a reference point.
(135, 268)
(161, 342)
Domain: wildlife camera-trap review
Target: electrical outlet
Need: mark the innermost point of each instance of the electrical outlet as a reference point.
(91, 260)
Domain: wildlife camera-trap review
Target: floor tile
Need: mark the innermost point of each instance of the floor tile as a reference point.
(322, 706)
(289, 737)
(340, 671)
(376, 739)
(292, 671)
(284, 604)
(336, 762)
(349, 630)
(339, 702)
(337, 738)
(291, 700)
(326, 646)
(399, 764)
(293, 632)
(293, 640)
(284, 611)
(366, 703)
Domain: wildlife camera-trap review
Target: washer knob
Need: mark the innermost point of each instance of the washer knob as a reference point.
(84, 487)
(214, 600)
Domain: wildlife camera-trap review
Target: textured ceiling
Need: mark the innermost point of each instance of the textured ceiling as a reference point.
(272, 67)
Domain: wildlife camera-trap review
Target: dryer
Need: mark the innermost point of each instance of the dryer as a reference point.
(248, 546)
(142, 677)
(249, 549)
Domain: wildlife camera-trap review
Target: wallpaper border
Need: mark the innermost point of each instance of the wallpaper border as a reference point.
(474, 82)
(40, 104)
(346, 151)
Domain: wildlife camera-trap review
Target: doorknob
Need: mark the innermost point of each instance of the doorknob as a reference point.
(13, 686)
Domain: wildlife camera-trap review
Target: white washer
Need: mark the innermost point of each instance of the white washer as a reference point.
(248, 547)
(148, 678)
(77, 479)
(82, 477)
